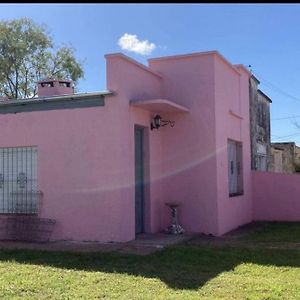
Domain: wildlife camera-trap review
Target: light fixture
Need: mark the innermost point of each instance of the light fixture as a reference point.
(158, 122)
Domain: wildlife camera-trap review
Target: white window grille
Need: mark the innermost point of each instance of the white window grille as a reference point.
(18, 180)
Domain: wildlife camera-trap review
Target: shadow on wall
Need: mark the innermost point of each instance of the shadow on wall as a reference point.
(26, 228)
(181, 267)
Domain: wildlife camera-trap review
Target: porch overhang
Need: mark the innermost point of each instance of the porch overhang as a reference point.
(159, 106)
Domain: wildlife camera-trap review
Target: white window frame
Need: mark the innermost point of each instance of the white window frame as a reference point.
(235, 168)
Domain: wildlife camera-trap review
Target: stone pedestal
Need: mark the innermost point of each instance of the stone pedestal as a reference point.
(174, 227)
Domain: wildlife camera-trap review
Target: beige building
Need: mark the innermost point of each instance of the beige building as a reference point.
(285, 157)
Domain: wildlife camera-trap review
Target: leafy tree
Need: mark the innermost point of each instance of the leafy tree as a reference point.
(27, 55)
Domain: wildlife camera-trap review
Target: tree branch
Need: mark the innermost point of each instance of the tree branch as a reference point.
(11, 86)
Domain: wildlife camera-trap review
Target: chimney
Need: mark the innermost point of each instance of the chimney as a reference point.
(3, 98)
(55, 87)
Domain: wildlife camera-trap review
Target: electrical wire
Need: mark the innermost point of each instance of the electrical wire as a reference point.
(267, 83)
(285, 118)
(276, 88)
(285, 136)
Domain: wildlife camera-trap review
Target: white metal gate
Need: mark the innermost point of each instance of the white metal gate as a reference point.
(18, 180)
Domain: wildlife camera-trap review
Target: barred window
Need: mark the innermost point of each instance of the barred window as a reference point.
(18, 180)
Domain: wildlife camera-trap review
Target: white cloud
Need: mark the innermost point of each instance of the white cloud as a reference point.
(130, 42)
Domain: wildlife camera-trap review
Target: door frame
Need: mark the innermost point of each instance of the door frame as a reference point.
(145, 180)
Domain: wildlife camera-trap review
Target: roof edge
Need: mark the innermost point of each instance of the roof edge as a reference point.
(244, 69)
(267, 97)
(180, 56)
(56, 97)
(133, 61)
(196, 54)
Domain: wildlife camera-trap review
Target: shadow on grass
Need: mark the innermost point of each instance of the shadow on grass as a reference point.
(180, 267)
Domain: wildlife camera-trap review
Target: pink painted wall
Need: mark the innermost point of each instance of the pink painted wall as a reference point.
(86, 156)
(132, 81)
(196, 165)
(189, 168)
(276, 196)
(232, 94)
(78, 169)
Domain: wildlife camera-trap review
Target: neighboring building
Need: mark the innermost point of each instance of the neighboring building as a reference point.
(260, 133)
(276, 161)
(102, 165)
(297, 158)
(285, 157)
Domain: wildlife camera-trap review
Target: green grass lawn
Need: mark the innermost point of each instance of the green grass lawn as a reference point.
(178, 272)
(276, 232)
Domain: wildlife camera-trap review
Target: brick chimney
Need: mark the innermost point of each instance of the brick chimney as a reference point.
(55, 87)
(3, 98)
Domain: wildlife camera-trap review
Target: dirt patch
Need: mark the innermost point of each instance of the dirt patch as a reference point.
(146, 244)
(143, 245)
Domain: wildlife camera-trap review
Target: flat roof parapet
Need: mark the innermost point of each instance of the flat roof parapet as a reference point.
(54, 102)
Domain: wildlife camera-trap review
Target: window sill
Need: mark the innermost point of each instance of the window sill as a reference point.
(236, 194)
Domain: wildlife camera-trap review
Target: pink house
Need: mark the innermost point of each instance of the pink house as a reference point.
(93, 163)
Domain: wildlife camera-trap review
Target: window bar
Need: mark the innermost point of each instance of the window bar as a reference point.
(3, 195)
(7, 179)
(21, 172)
(29, 189)
(36, 178)
(32, 196)
(26, 190)
(16, 197)
(13, 183)
(10, 179)
(10, 171)
(7, 186)
(13, 176)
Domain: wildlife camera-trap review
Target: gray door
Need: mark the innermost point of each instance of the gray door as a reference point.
(139, 179)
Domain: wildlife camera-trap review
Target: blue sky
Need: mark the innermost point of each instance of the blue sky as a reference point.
(265, 36)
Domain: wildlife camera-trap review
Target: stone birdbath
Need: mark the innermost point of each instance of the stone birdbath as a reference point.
(174, 227)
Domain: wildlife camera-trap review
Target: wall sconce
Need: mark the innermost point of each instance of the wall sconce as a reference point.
(158, 122)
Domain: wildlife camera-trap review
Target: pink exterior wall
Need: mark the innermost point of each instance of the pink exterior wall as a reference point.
(86, 156)
(132, 81)
(276, 196)
(232, 122)
(78, 169)
(196, 150)
(189, 169)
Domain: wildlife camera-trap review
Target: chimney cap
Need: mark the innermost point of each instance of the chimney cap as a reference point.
(51, 79)
(53, 87)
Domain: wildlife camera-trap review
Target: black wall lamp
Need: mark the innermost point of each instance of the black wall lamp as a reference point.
(158, 122)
